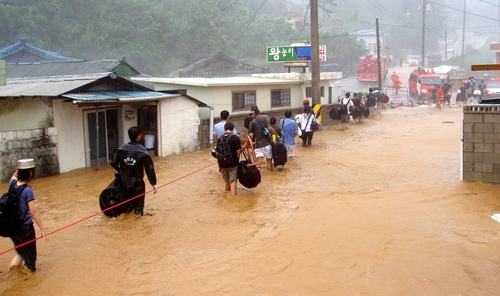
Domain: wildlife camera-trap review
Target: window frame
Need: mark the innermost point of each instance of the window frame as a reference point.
(309, 91)
(246, 106)
(281, 90)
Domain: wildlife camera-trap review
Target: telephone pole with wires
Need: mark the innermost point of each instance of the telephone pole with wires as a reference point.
(315, 76)
(424, 6)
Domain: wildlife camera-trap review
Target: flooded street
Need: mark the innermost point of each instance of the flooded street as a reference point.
(375, 210)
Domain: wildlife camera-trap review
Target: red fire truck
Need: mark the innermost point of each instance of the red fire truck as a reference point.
(421, 83)
(368, 67)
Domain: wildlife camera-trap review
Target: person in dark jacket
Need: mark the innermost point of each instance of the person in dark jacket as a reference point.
(371, 101)
(130, 160)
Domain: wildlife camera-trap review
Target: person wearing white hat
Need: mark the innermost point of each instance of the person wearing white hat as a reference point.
(28, 212)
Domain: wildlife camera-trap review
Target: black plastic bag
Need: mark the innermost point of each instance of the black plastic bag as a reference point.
(248, 174)
(111, 196)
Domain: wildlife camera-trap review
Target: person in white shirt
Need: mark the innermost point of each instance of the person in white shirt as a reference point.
(219, 127)
(349, 105)
(306, 119)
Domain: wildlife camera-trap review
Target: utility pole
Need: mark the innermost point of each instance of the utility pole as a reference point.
(445, 45)
(305, 18)
(379, 73)
(424, 8)
(315, 76)
(463, 39)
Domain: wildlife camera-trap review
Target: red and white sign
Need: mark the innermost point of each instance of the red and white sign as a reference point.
(322, 53)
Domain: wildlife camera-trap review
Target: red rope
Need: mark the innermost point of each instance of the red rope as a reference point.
(110, 208)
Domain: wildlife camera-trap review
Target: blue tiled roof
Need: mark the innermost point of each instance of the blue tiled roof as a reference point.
(22, 46)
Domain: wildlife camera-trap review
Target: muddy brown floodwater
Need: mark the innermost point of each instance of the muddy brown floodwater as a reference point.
(375, 210)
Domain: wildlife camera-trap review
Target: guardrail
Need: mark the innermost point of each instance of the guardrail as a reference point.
(401, 97)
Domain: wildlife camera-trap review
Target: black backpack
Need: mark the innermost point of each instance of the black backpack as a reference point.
(446, 87)
(370, 100)
(10, 221)
(247, 120)
(344, 107)
(225, 157)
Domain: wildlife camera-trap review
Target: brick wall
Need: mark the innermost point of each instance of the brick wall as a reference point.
(481, 147)
(39, 144)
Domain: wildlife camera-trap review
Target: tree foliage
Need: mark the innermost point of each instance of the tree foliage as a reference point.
(157, 36)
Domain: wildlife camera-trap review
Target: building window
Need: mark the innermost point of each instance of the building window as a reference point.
(243, 100)
(309, 92)
(280, 97)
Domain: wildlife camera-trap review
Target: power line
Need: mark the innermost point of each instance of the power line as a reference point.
(387, 12)
(462, 11)
(468, 29)
(248, 25)
(490, 3)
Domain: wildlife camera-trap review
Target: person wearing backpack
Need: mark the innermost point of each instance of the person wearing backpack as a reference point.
(371, 101)
(446, 87)
(260, 125)
(347, 106)
(28, 213)
(379, 98)
(306, 119)
(228, 150)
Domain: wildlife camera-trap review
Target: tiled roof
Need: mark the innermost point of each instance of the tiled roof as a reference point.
(50, 87)
(14, 53)
(62, 68)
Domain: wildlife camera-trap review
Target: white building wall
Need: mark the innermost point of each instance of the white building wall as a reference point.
(25, 113)
(220, 97)
(179, 123)
(68, 119)
(323, 83)
(126, 123)
(204, 94)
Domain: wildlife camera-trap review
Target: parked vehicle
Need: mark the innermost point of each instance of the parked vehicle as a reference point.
(434, 59)
(421, 83)
(415, 57)
(413, 63)
(492, 89)
(368, 67)
(491, 93)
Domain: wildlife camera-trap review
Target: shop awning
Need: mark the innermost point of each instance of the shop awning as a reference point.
(109, 96)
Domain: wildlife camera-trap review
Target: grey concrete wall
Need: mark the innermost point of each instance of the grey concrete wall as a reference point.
(481, 147)
(39, 144)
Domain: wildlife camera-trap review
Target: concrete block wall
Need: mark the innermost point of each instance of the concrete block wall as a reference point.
(481, 143)
(39, 144)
